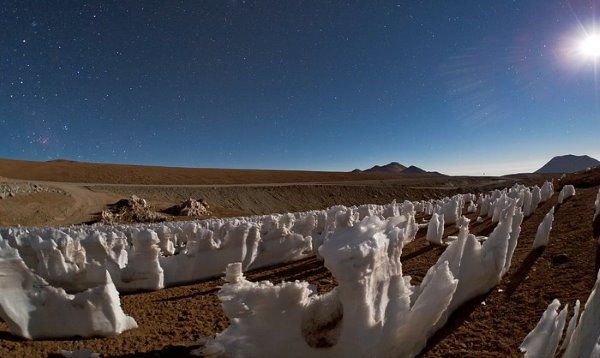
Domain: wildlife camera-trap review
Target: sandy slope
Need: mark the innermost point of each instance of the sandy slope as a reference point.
(86, 189)
(70, 204)
(80, 203)
(78, 172)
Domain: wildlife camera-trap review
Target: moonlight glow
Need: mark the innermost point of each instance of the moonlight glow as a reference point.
(589, 47)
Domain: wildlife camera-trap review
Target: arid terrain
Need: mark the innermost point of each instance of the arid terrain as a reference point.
(74, 193)
(174, 320)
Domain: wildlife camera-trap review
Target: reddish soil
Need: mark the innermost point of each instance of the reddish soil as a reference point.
(582, 179)
(79, 172)
(85, 189)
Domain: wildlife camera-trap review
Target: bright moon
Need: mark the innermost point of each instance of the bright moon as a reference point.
(590, 46)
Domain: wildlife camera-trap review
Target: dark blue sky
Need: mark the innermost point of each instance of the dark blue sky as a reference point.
(455, 86)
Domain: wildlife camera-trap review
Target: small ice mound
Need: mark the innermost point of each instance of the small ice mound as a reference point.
(143, 271)
(233, 273)
(527, 201)
(435, 229)
(583, 341)
(517, 220)
(596, 219)
(597, 205)
(452, 209)
(581, 336)
(542, 236)
(472, 208)
(547, 191)
(543, 340)
(32, 309)
(480, 266)
(463, 222)
(536, 198)
(566, 192)
(571, 327)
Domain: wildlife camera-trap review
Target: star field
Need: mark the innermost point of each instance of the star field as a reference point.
(459, 87)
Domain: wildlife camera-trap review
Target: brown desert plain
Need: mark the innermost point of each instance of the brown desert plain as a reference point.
(173, 321)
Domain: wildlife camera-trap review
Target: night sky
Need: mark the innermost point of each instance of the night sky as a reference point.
(462, 87)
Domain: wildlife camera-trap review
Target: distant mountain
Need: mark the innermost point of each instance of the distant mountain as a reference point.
(414, 170)
(59, 160)
(393, 167)
(568, 164)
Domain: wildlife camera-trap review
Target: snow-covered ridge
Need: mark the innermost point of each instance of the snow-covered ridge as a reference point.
(152, 256)
(374, 310)
(361, 246)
